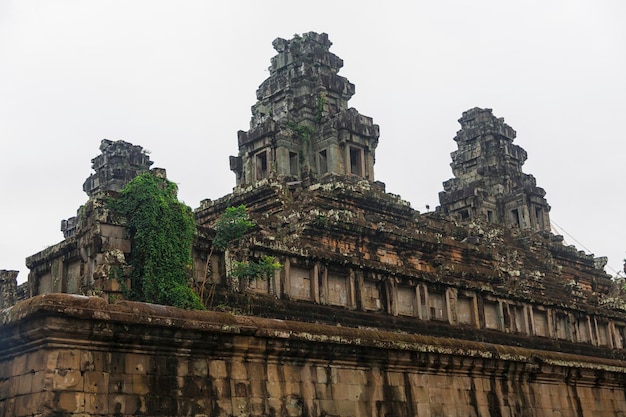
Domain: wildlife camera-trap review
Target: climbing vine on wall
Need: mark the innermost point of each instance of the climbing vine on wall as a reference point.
(302, 131)
(261, 269)
(321, 103)
(161, 230)
(232, 226)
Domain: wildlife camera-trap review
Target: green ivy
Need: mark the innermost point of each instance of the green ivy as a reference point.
(321, 102)
(161, 230)
(252, 270)
(301, 130)
(231, 226)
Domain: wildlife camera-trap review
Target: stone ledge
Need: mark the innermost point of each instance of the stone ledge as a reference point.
(95, 313)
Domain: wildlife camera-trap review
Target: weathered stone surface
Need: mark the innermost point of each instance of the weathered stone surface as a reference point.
(162, 361)
(8, 288)
(118, 163)
(88, 262)
(91, 259)
(301, 127)
(377, 310)
(489, 182)
(350, 245)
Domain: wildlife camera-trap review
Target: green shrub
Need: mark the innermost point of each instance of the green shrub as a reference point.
(161, 230)
(231, 226)
(252, 270)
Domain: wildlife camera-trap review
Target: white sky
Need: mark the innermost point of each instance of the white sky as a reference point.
(179, 77)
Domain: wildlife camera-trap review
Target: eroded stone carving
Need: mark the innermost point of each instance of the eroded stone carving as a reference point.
(383, 310)
(91, 258)
(301, 126)
(8, 288)
(118, 163)
(488, 179)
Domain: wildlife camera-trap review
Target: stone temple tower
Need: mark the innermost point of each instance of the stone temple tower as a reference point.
(301, 126)
(116, 166)
(488, 179)
(118, 163)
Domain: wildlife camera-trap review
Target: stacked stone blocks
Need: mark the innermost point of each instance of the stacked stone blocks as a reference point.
(216, 364)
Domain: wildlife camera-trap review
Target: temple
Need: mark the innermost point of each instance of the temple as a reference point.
(488, 179)
(301, 127)
(375, 309)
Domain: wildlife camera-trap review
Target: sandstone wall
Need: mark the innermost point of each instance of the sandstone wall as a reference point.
(8, 288)
(66, 355)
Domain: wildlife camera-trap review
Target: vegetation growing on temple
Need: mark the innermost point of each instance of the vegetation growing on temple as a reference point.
(263, 268)
(230, 228)
(162, 230)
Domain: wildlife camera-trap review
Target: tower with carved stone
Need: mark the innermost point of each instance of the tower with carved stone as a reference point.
(118, 163)
(488, 179)
(301, 126)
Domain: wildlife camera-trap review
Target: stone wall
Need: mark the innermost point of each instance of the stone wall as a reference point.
(377, 310)
(8, 288)
(90, 260)
(65, 355)
(352, 246)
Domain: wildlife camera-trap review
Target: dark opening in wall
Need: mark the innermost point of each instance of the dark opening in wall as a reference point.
(356, 161)
(323, 162)
(293, 164)
(539, 216)
(261, 165)
(515, 216)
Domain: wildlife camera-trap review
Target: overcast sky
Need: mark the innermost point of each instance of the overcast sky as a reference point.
(179, 77)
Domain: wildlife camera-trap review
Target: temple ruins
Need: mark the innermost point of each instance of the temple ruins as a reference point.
(473, 309)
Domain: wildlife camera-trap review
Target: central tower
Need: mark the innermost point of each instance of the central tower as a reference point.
(301, 126)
